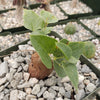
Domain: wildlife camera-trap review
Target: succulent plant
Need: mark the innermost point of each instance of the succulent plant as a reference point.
(70, 29)
(89, 49)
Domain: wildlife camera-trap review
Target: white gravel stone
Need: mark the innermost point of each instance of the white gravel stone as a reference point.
(28, 90)
(50, 81)
(2, 88)
(65, 79)
(90, 87)
(18, 76)
(13, 63)
(3, 80)
(80, 94)
(14, 84)
(41, 91)
(3, 69)
(41, 99)
(33, 81)
(36, 89)
(93, 75)
(68, 87)
(29, 97)
(81, 78)
(56, 88)
(24, 85)
(26, 76)
(14, 95)
(62, 91)
(1, 96)
(21, 95)
(9, 76)
(48, 95)
(59, 98)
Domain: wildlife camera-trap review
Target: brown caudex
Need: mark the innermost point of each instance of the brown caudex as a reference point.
(37, 69)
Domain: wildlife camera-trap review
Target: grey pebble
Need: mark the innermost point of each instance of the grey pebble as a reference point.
(36, 89)
(48, 95)
(3, 69)
(41, 91)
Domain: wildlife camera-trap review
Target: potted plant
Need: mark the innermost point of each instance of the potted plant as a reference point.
(61, 55)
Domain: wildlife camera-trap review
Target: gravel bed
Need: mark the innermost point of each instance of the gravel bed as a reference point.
(80, 34)
(16, 85)
(8, 5)
(80, 7)
(11, 40)
(94, 24)
(96, 59)
(8, 20)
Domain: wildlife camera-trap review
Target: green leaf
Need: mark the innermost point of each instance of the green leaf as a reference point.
(59, 69)
(64, 41)
(72, 60)
(46, 30)
(71, 72)
(77, 49)
(66, 50)
(48, 17)
(44, 45)
(33, 21)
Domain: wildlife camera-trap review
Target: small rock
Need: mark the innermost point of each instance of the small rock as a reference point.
(90, 87)
(81, 85)
(19, 69)
(26, 76)
(81, 78)
(68, 87)
(1, 96)
(85, 69)
(41, 82)
(48, 95)
(13, 63)
(86, 82)
(66, 99)
(56, 88)
(33, 81)
(62, 91)
(36, 89)
(3, 80)
(41, 91)
(93, 75)
(28, 90)
(52, 91)
(18, 76)
(67, 94)
(50, 82)
(14, 95)
(41, 99)
(21, 95)
(20, 59)
(3, 69)
(59, 98)
(12, 70)
(25, 68)
(29, 97)
(80, 94)
(14, 84)
(24, 85)
(6, 97)
(65, 79)
(1, 88)
(9, 76)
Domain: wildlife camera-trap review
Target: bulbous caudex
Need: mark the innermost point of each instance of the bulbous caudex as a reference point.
(37, 69)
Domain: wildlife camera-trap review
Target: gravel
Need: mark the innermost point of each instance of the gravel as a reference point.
(52, 88)
(80, 35)
(95, 24)
(66, 5)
